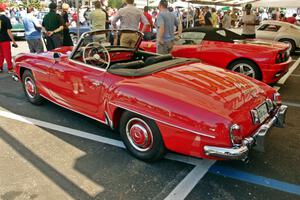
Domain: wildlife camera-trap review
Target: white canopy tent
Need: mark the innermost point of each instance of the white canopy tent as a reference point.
(278, 3)
(222, 2)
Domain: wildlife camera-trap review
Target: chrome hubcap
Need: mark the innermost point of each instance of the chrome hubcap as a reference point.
(290, 45)
(30, 87)
(139, 134)
(245, 69)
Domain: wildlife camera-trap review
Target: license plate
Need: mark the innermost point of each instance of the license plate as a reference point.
(20, 34)
(262, 112)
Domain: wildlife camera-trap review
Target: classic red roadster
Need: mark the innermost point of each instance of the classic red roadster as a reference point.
(156, 102)
(267, 61)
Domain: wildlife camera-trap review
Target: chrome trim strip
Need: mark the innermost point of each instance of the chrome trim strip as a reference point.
(241, 152)
(175, 126)
(99, 120)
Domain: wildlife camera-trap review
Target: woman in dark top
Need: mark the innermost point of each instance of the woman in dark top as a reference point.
(197, 18)
(67, 40)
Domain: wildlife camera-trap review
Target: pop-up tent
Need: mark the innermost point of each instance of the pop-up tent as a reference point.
(278, 3)
(222, 2)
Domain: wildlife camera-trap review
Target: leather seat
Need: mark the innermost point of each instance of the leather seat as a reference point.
(156, 59)
(129, 65)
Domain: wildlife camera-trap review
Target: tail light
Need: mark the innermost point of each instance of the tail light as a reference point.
(235, 135)
(277, 99)
(282, 57)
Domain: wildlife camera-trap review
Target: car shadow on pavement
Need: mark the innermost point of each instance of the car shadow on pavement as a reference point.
(58, 178)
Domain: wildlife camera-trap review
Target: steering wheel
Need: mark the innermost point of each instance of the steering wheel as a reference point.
(96, 54)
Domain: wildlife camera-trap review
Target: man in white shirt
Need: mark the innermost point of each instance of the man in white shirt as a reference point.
(249, 21)
(130, 18)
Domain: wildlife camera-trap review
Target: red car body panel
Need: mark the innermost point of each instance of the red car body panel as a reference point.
(222, 54)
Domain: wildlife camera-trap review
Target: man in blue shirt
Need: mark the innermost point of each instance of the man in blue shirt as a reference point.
(33, 32)
(166, 24)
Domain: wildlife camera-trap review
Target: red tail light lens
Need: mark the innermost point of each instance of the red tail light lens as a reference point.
(277, 99)
(235, 135)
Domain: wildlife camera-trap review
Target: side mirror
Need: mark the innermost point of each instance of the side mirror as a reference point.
(56, 56)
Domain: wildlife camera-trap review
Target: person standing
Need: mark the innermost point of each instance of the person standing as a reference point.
(292, 19)
(214, 17)
(148, 29)
(248, 22)
(98, 17)
(53, 25)
(196, 17)
(207, 17)
(67, 40)
(5, 38)
(226, 21)
(166, 23)
(130, 18)
(104, 5)
(33, 32)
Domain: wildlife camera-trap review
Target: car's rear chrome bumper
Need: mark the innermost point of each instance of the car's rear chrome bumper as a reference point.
(241, 152)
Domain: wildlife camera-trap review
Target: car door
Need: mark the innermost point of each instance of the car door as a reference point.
(267, 31)
(189, 45)
(77, 85)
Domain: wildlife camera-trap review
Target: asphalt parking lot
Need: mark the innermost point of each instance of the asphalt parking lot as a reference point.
(48, 152)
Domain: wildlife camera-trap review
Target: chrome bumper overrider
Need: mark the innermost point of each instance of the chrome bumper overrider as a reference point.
(241, 152)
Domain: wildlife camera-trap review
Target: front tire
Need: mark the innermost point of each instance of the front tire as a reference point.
(247, 68)
(30, 89)
(141, 137)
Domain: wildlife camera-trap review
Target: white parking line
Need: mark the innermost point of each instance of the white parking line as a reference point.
(291, 70)
(295, 75)
(291, 104)
(180, 191)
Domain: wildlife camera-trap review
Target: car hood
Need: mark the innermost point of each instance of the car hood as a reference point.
(263, 43)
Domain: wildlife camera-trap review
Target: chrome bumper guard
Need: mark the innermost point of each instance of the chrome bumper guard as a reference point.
(15, 77)
(241, 152)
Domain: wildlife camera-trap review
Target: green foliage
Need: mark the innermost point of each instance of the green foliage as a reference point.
(115, 3)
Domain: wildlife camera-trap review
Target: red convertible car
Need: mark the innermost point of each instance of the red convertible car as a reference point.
(267, 61)
(156, 102)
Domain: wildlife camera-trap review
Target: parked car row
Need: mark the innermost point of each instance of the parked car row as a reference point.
(161, 102)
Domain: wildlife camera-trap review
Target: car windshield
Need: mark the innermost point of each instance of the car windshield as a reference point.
(125, 38)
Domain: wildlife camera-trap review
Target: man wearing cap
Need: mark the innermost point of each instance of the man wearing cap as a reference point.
(249, 21)
(166, 23)
(33, 32)
(53, 25)
(5, 38)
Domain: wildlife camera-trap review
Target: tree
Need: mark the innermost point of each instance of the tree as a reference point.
(115, 3)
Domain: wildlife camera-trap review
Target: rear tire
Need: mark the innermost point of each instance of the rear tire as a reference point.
(291, 43)
(247, 68)
(141, 137)
(30, 89)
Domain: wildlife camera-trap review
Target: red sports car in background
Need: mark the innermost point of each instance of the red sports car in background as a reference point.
(263, 60)
(156, 102)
